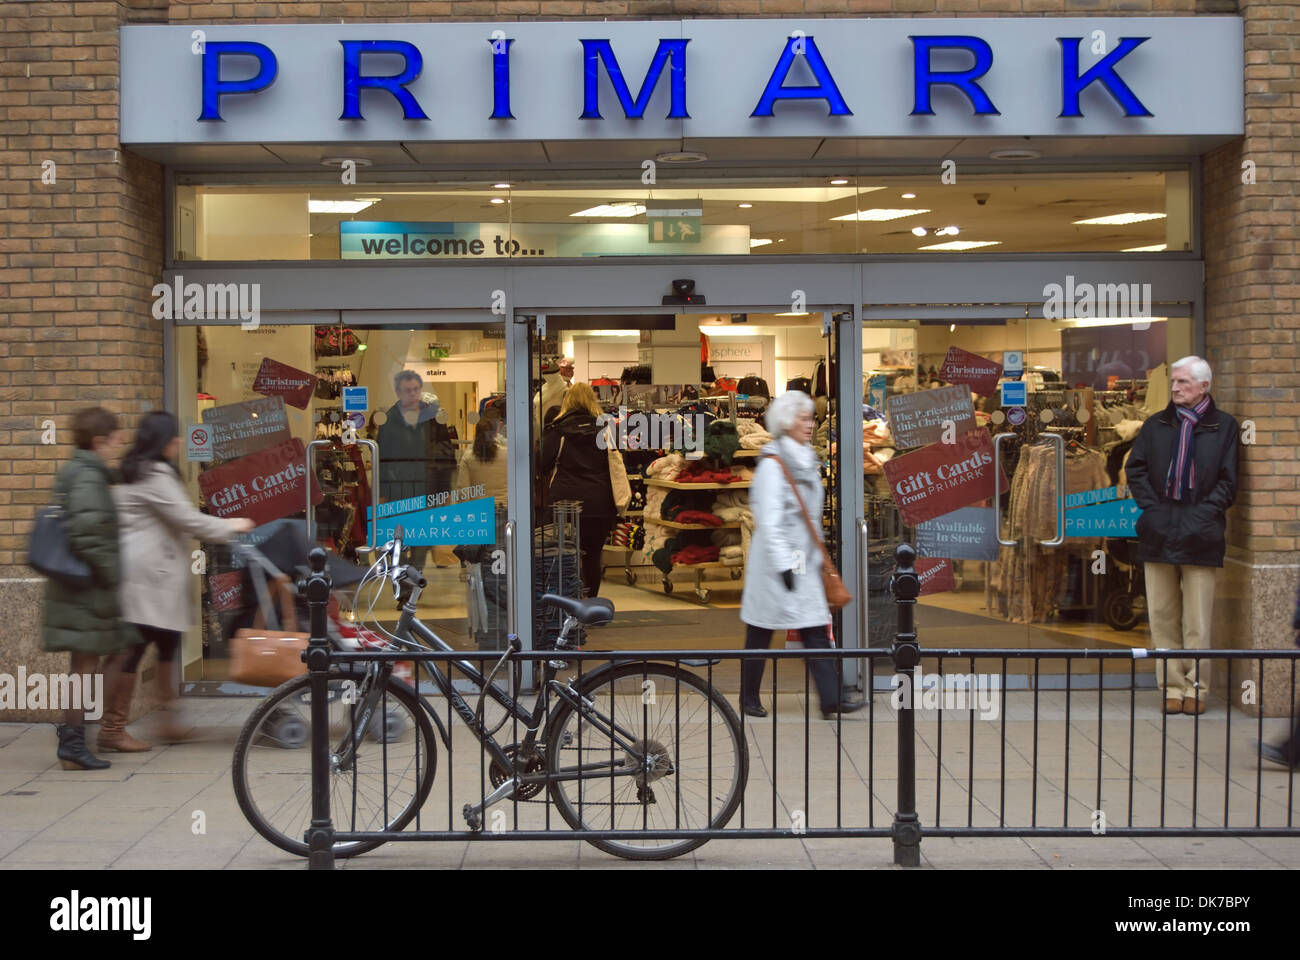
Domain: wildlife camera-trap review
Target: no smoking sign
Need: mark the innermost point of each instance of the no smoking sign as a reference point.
(198, 444)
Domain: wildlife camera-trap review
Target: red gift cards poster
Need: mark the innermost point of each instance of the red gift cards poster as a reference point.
(262, 486)
(935, 575)
(943, 477)
(979, 373)
(276, 379)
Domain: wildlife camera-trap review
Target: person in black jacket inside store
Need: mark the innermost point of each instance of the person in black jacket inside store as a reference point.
(1182, 472)
(576, 467)
(416, 455)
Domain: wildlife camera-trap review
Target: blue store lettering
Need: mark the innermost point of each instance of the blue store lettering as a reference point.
(598, 56)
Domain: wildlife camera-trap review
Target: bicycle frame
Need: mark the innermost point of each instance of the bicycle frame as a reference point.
(410, 627)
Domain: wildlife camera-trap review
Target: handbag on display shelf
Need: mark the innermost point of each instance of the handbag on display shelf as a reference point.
(837, 595)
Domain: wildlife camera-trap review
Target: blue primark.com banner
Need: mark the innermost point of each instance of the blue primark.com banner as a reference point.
(470, 521)
(1101, 513)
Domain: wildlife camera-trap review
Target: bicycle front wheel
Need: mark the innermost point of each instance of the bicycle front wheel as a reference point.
(381, 788)
(678, 759)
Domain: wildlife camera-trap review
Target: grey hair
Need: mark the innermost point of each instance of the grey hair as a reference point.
(406, 375)
(784, 410)
(1196, 366)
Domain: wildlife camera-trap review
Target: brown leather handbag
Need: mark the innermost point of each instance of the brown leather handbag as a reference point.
(837, 595)
(266, 658)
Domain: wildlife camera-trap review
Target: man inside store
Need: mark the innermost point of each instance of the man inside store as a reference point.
(1182, 472)
(416, 454)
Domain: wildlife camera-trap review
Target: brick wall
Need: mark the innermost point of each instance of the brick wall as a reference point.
(414, 10)
(77, 256)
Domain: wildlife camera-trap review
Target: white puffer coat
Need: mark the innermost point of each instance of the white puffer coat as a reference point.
(780, 537)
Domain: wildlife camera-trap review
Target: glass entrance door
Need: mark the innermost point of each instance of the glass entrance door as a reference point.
(1049, 561)
(410, 419)
(682, 398)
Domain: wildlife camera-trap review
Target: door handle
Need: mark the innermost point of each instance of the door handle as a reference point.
(372, 527)
(997, 495)
(511, 625)
(1059, 539)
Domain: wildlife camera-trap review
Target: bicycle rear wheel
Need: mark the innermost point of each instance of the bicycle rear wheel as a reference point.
(383, 787)
(687, 767)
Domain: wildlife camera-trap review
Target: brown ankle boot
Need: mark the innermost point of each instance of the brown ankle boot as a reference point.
(112, 729)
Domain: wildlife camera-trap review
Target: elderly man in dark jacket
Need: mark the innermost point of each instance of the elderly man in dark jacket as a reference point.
(1182, 471)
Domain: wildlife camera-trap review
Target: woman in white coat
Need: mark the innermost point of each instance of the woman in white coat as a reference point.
(783, 584)
(158, 523)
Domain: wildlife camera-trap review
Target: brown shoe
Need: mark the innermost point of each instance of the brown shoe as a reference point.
(1192, 706)
(1173, 706)
(113, 737)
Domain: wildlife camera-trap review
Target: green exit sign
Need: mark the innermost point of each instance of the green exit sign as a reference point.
(675, 229)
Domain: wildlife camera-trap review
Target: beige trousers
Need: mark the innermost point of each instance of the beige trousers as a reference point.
(1180, 608)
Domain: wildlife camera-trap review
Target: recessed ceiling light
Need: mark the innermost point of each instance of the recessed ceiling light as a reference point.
(1154, 248)
(909, 196)
(744, 206)
(337, 206)
(838, 182)
(1107, 321)
(682, 156)
(947, 232)
(755, 242)
(1015, 153)
(496, 200)
(612, 210)
(880, 214)
(500, 186)
(919, 231)
(1120, 219)
(962, 245)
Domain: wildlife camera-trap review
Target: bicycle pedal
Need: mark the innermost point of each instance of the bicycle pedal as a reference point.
(474, 821)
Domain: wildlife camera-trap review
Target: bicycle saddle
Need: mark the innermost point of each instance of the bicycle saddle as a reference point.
(595, 612)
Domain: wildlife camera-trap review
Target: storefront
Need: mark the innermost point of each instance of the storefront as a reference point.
(977, 243)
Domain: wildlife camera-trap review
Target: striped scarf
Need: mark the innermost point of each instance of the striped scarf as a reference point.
(1181, 478)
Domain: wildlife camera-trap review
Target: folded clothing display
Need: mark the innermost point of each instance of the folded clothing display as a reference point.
(654, 501)
(756, 439)
(732, 498)
(700, 472)
(696, 553)
(721, 441)
(875, 433)
(726, 538)
(666, 468)
(1128, 429)
(729, 551)
(699, 516)
(679, 500)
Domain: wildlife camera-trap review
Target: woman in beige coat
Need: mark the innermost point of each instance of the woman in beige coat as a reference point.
(158, 524)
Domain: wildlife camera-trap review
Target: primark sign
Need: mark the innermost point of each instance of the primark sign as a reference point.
(357, 83)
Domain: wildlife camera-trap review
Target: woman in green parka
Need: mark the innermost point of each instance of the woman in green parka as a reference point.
(87, 622)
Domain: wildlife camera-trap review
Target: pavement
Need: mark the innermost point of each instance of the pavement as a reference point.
(174, 807)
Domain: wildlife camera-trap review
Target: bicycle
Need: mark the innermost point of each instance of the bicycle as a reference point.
(632, 746)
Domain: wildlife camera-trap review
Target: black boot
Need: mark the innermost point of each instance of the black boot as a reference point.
(751, 678)
(74, 754)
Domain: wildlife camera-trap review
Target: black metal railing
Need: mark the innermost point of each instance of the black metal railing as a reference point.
(1088, 754)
